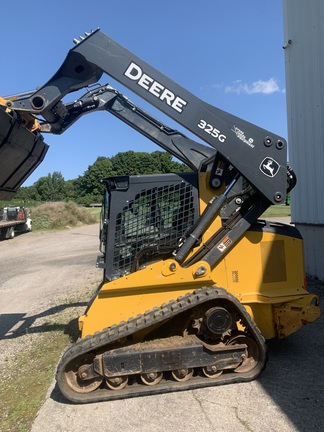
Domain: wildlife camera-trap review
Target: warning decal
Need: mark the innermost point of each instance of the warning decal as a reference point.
(224, 244)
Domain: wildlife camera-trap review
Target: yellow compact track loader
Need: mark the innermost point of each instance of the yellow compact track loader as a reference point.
(193, 280)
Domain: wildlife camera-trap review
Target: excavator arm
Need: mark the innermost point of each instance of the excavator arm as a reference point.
(258, 155)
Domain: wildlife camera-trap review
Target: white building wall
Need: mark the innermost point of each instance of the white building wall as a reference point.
(304, 61)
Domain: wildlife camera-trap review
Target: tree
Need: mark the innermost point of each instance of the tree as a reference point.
(51, 187)
(27, 193)
(88, 188)
(164, 163)
(71, 190)
(133, 163)
(137, 163)
(89, 183)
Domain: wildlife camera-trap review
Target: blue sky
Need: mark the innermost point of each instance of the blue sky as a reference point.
(228, 53)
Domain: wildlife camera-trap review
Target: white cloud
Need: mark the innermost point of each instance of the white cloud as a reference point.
(263, 87)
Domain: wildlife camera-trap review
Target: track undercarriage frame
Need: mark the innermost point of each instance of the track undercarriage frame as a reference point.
(188, 351)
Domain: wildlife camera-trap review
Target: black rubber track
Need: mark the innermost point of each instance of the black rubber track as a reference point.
(100, 340)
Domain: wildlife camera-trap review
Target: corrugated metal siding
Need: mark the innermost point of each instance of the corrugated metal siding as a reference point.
(314, 249)
(304, 57)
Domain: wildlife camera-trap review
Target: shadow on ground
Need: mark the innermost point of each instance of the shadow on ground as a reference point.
(18, 324)
(294, 375)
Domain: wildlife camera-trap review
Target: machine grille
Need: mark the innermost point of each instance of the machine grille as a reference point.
(151, 224)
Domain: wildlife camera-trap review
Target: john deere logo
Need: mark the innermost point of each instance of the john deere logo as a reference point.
(269, 167)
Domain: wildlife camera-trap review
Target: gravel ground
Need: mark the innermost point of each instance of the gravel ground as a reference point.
(38, 272)
(42, 270)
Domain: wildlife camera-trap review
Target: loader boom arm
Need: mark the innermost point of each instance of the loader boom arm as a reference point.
(258, 155)
(106, 98)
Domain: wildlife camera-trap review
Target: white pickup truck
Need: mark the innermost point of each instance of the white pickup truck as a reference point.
(12, 220)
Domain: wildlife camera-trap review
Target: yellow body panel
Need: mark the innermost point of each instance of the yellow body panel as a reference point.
(243, 272)
(264, 270)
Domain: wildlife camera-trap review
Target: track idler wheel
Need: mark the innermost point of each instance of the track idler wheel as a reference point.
(76, 375)
(253, 355)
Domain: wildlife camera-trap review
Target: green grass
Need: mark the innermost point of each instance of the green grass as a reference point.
(27, 380)
(94, 211)
(26, 377)
(277, 211)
